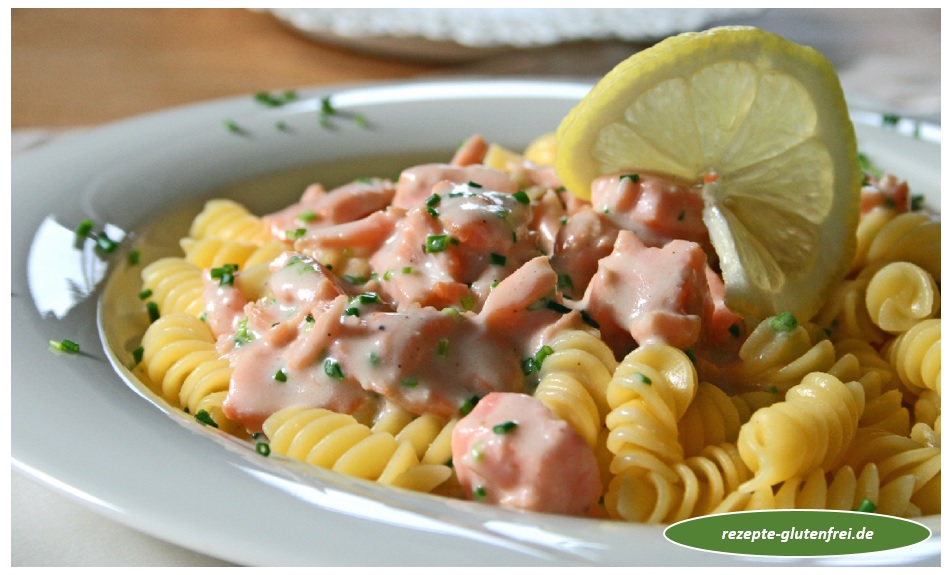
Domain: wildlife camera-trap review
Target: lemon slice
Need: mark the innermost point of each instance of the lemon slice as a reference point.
(761, 126)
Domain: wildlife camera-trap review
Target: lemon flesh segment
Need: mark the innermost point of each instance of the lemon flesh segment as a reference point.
(762, 127)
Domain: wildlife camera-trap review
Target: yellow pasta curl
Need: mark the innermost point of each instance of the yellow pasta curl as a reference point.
(840, 490)
(339, 442)
(774, 358)
(574, 379)
(896, 456)
(211, 252)
(175, 285)
(183, 366)
(908, 237)
(650, 391)
(712, 418)
(915, 355)
(229, 220)
(899, 295)
(697, 486)
(810, 430)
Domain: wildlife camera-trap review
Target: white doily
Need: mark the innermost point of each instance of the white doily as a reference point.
(504, 27)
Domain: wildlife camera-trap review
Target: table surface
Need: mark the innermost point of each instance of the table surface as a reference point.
(80, 68)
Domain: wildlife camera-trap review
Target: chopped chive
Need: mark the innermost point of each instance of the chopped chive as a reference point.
(734, 330)
(410, 382)
(406, 270)
(468, 405)
(544, 352)
(435, 244)
(467, 302)
(84, 228)
(772, 389)
(281, 376)
(479, 493)
(352, 311)
(558, 307)
(443, 349)
(642, 378)
(529, 365)
(105, 243)
(233, 127)
(224, 274)
(145, 294)
(295, 234)
(66, 345)
(632, 177)
(373, 358)
(504, 428)
(262, 448)
(152, 309)
(784, 322)
(522, 197)
(332, 368)
(498, 259)
(433, 200)
(137, 355)
(432, 211)
(472, 184)
(242, 335)
(134, 256)
(867, 506)
(204, 418)
(368, 297)
(307, 216)
(355, 280)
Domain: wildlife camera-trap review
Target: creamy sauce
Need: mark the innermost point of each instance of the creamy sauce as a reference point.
(467, 277)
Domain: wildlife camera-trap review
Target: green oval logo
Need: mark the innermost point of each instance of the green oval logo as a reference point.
(796, 533)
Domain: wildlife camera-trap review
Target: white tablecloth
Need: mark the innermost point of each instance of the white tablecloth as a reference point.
(889, 61)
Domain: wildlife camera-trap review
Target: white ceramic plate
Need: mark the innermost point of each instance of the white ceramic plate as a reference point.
(79, 427)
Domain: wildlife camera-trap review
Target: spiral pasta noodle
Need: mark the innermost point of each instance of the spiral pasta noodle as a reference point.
(899, 295)
(212, 252)
(696, 486)
(821, 412)
(175, 285)
(184, 367)
(896, 456)
(339, 442)
(842, 490)
(776, 355)
(574, 379)
(712, 418)
(648, 394)
(229, 220)
(915, 355)
(907, 237)
(845, 314)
